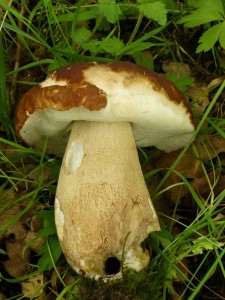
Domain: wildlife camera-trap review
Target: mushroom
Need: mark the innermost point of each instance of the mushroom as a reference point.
(95, 115)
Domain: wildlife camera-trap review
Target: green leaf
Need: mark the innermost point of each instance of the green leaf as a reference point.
(162, 238)
(112, 45)
(155, 10)
(92, 46)
(202, 243)
(110, 10)
(143, 58)
(84, 15)
(205, 12)
(81, 35)
(51, 250)
(210, 37)
(136, 47)
(222, 36)
(170, 5)
(3, 252)
(182, 83)
(50, 253)
(215, 5)
(109, 45)
(48, 223)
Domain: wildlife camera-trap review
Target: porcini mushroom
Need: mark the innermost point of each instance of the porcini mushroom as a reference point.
(93, 114)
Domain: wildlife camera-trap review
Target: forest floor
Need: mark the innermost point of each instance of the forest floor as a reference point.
(185, 42)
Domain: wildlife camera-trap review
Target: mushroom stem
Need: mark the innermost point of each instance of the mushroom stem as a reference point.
(103, 210)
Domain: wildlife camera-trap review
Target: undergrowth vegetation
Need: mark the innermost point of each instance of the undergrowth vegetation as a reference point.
(185, 40)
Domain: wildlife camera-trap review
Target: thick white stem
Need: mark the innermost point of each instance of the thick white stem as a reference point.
(103, 209)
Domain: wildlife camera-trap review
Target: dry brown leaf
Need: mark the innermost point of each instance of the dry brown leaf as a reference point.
(68, 279)
(219, 217)
(178, 192)
(7, 212)
(192, 166)
(8, 151)
(33, 287)
(36, 223)
(17, 264)
(217, 143)
(180, 69)
(35, 172)
(55, 278)
(199, 95)
(34, 243)
(206, 185)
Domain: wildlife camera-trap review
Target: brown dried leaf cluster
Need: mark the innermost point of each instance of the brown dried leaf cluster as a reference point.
(17, 236)
(200, 165)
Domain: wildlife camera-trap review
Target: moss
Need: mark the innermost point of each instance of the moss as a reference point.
(145, 285)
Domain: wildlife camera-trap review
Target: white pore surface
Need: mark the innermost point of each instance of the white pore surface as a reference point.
(155, 120)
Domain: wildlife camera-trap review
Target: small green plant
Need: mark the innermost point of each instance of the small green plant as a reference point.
(51, 250)
(211, 14)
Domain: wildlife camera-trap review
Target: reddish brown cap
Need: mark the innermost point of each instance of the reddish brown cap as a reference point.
(114, 92)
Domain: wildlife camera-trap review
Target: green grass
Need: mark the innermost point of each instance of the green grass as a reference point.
(188, 254)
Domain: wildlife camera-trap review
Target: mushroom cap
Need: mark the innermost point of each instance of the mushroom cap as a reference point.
(114, 92)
